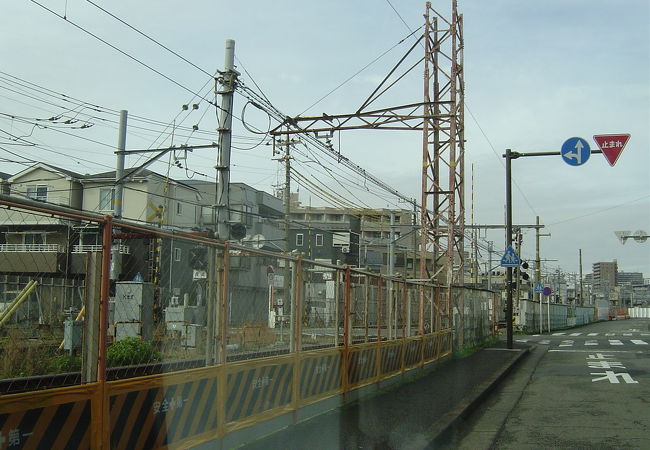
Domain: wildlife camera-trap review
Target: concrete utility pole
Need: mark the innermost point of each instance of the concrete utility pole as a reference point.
(287, 190)
(228, 80)
(118, 194)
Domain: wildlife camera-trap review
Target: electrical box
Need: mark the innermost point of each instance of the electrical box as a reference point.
(72, 332)
(134, 303)
(127, 329)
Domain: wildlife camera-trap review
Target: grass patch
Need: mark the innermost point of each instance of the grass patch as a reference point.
(473, 348)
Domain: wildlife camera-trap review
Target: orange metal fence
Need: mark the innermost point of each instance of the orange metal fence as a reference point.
(142, 338)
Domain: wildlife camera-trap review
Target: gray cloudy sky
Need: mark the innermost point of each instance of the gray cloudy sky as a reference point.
(536, 73)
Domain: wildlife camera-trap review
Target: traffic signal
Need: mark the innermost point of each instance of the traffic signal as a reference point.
(523, 275)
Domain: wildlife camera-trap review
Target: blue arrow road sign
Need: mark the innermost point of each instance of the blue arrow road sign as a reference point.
(539, 288)
(510, 258)
(575, 151)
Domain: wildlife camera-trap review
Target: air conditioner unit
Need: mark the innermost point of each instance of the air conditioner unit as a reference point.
(345, 249)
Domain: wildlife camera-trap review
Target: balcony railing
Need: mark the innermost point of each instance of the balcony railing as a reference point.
(42, 248)
(124, 249)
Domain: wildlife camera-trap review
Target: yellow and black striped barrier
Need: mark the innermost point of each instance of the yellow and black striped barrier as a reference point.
(49, 419)
(320, 375)
(362, 364)
(391, 358)
(412, 352)
(185, 408)
(254, 387)
(162, 410)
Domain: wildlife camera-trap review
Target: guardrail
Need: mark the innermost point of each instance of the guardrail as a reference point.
(46, 248)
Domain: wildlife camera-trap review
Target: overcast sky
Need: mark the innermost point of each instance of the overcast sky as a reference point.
(536, 74)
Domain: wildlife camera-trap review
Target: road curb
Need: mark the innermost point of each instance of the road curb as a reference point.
(439, 432)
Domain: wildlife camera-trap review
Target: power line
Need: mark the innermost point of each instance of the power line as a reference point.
(149, 38)
(114, 47)
(347, 80)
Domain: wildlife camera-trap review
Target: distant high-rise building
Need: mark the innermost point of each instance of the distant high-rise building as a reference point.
(604, 274)
(633, 278)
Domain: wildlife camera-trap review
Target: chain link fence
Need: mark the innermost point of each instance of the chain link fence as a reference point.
(84, 299)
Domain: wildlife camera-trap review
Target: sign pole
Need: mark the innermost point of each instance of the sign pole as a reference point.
(548, 300)
(508, 156)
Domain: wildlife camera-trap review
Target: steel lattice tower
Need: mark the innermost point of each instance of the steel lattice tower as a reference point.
(443, 148)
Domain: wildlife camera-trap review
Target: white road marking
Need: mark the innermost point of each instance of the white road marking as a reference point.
(575, 334)
(559, 334)
(545, 342)
(615, 342)
(566, 343)
(521, 340)
(592, 334)
(591, 342)
(639, 342)
(627, 334)
(638, 352)
(610, 334)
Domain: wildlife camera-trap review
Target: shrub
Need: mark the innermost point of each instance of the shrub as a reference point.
(66, 363)
(130, 351)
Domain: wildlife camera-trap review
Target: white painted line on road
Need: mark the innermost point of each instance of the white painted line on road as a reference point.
(592, 334)
(559, 334)
(610, 334)
(638, 352)
(505, 349)
(638, 342)
(545, 342)
(521, 340)
(627, 334)
(615, 342)
(567, 343)
(645, 334)
(591, 342)
(575, 334)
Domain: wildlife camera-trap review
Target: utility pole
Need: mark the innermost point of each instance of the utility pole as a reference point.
(538, 275)
(287, 190)
(118, 194)
(582, 301)
(490, 251)
(228, 80)
(519, 238)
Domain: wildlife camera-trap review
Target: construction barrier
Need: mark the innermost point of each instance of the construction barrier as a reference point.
(192, 339)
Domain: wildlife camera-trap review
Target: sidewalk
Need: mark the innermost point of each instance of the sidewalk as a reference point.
(408, 416)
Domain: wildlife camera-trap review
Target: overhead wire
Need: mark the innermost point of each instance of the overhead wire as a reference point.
(149, 38)
(114, 47)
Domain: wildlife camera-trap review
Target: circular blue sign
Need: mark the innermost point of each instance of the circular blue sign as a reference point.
(575, 151)
(546, 291)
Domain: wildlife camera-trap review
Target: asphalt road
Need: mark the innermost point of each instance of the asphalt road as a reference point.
(584, 388)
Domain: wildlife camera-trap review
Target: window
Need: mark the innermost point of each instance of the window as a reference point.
(179, 208)
(89, 239)
(319, 240)
(33, 238)
(300, 239)
(177, 254)
(37, 192)
(106, 199)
